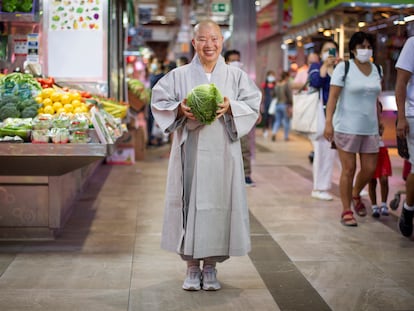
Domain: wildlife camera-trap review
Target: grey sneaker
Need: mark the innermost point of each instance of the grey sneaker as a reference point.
(210, 278)
(193, 279)
(384, 210)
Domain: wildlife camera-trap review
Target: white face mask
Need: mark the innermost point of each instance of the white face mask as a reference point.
(325, 56)
(236, 64)
(363, 55)
(271, 79)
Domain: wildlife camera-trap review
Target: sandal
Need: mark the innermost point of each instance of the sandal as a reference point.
(359, 206)
(347, 219)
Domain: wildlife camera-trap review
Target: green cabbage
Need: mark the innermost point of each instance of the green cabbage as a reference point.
(203, 101)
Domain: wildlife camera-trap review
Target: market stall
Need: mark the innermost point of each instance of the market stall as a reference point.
(57, 122)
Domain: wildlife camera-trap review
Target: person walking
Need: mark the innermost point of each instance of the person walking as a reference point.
(268, 89)
(284, 102)
(323, 155)
(206, 215)
(404, 96)
(232, 58)
(352, 122)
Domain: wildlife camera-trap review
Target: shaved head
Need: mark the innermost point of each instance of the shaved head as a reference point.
(207, 23)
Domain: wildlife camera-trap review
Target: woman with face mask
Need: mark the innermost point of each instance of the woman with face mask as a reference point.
(319, 77)
(352, 122)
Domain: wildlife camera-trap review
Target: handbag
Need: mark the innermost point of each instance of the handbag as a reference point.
(272, 106)
(306, 112)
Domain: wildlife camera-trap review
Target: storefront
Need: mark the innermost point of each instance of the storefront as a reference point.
(314, 21)
(80, 44)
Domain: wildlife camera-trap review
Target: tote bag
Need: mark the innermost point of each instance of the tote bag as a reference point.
(272, 107)
(306, 112)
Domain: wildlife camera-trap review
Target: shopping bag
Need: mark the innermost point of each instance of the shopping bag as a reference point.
(306, 112)
(272, 107)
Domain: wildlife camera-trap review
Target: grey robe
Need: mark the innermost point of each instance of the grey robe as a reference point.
(206, 211)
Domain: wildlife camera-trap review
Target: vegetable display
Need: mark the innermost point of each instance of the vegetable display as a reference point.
(14, 107)
(203, 101)
(19, 84)
(17, 6)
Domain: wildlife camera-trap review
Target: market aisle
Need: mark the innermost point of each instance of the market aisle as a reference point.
(108, 256)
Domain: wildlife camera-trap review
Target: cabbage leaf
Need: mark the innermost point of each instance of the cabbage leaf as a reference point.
(203, 101)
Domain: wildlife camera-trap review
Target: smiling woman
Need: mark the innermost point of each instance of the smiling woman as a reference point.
(208, 43)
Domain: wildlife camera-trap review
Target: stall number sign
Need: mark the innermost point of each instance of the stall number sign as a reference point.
(33, 47)
(219, 7)
(20, 46)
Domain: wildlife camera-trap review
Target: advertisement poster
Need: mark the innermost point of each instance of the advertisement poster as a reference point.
(76, 40)
(73, 15)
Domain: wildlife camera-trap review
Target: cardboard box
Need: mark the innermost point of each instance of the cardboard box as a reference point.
(135, 138)
(122, 156)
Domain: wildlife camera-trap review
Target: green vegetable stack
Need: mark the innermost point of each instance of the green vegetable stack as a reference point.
(203, 101)
(17, 6)
(14, 107)
(19, 84)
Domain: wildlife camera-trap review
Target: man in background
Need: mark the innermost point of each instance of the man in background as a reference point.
(232, 58)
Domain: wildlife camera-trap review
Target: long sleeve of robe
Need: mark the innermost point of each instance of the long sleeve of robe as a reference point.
(206, 211)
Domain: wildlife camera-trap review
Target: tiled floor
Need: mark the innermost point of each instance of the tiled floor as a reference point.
(108, 256)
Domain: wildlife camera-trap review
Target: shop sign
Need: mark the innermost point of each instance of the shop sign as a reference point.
(219, 7)
(306, 10)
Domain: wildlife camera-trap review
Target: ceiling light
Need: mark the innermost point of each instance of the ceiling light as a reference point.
(361, 24)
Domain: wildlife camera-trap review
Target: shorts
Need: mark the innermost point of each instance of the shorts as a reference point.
(357, 143)
(410, 141)
(383, 164)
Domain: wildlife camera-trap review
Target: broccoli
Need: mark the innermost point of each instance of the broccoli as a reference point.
(21, 105)
(29, 112)
(9, 111)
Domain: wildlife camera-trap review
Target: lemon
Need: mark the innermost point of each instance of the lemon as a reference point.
(76, 95)
(49, 110)
(47, 102)
(39, 99)
(45, 93)
(68, 107)
(77, 110)
(84, 108)
(55, 96)
(76, 103)
(65, 98)
(57, 105)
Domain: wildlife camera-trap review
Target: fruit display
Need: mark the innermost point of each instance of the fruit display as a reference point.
(38, 110)
(55, 101)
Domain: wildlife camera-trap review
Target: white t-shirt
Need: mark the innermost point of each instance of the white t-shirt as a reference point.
(406, 62)
(356, 109)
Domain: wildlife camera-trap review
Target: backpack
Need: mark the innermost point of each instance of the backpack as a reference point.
(347, 69)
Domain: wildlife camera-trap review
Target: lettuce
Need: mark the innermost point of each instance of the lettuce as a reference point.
(203, 101)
